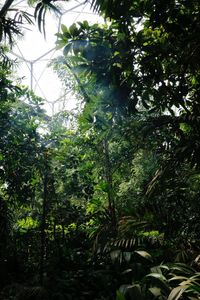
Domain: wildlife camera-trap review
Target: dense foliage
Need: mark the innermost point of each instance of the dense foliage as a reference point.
(103, 203)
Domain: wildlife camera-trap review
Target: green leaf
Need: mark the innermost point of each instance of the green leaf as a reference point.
(86, 24)
(73, 30)
(160, 280)
(120, 296)
(144, 254)
(134, 291)
(184, 269)
(103, 185)
(64, 28)
(115, 254)
(157, 276)
(67, 49)
(155, 291)
(177, 292)
(123, 288)
(127, 256)
(60, 44)
(185, 127)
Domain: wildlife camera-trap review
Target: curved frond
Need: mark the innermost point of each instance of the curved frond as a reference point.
(40, 13)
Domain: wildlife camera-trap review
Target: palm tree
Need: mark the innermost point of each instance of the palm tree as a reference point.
(13, 19)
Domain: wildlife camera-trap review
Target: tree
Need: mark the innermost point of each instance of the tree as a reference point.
(137, 68)
(147, 59)
(121, 174)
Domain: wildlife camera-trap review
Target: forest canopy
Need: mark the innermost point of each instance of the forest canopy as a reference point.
(103, 202)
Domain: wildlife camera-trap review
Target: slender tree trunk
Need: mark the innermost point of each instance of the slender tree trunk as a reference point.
(43, 226)
(54, 230)
(63, 232)
(108, 176)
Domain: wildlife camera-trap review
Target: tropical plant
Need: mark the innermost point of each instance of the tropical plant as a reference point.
(13, 19)
(166, 281)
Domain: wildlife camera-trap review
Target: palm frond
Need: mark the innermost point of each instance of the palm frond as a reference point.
(100, 5)
(10, 26)
(40, 13)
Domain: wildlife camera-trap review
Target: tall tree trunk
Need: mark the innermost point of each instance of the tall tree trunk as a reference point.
(54, 230)
(43, 225)
(108, 176)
